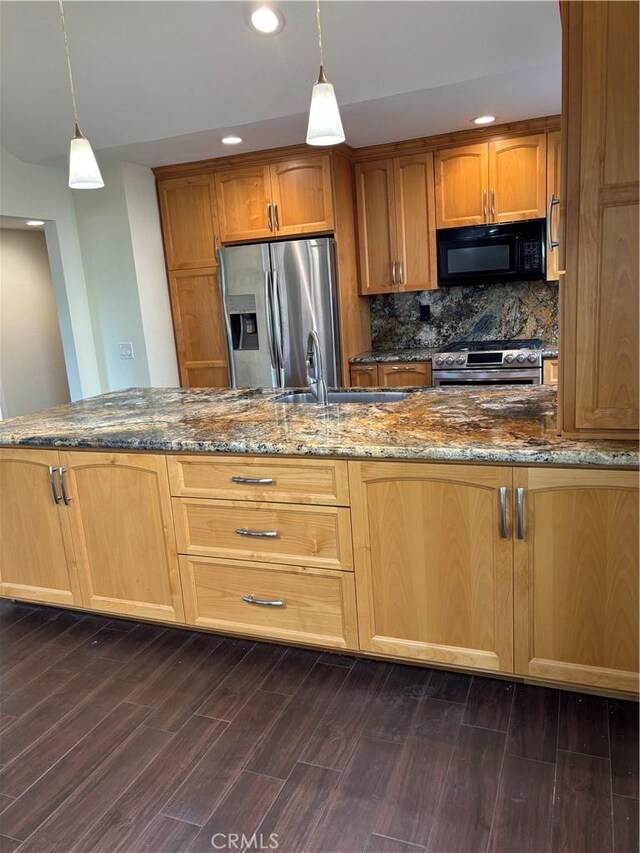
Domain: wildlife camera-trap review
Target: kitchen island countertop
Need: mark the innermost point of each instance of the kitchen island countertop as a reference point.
(507, 425)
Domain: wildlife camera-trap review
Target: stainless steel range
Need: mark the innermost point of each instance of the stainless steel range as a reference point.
(516, 362)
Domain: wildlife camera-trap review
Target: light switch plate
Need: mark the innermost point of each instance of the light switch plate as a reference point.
(126, 349)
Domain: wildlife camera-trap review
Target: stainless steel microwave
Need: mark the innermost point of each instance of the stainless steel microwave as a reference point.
(478, 254)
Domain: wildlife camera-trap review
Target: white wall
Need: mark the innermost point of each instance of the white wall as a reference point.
(153, 289)
(41, 192)
(32, 367)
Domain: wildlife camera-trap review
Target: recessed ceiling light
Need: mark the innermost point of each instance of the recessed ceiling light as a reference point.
(266, 20)
(34, 223)
(231, 140)
(484, 119)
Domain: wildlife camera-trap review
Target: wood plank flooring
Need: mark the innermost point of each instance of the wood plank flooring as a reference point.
(125, 737)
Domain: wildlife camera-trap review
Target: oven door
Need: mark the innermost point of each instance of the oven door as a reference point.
(495, 376)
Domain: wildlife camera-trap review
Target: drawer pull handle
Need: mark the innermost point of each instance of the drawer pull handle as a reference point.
(254, 481)
(263, 602)
(269, 534)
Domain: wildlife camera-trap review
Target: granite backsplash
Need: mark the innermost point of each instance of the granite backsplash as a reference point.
(523, 309)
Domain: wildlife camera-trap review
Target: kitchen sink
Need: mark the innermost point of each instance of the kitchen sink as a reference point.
(345, 397)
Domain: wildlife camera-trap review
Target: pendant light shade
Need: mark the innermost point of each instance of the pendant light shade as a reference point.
(325, 124)
(84, 173)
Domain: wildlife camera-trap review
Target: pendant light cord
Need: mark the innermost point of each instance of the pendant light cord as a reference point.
(66, 47)
(319, 32)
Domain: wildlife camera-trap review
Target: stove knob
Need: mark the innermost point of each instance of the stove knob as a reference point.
(521, 357)
(508, 359)
(460, 359)
(533, 357)
(439, 360)
(449, 360)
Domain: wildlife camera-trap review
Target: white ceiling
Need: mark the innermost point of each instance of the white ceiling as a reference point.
(161, 81)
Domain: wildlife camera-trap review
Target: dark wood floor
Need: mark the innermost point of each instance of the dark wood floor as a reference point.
(125, 737)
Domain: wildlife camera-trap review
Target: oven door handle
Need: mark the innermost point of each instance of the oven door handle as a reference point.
(497, 376)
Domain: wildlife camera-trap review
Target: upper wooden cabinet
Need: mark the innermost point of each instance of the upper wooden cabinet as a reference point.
(275, 200)
(576, 577)
(120, 515)
(189, 225)
(499, 181)
(396, 224)
(37, 560)
(554, 193)
(599, 293)
(198, 326)
(433, 573)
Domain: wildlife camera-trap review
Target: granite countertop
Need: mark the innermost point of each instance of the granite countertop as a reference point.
(550, 350)
(502, 425)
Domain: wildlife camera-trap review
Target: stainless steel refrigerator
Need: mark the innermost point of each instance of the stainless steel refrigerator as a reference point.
(273, 295)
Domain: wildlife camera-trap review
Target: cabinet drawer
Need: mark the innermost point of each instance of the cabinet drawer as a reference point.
(313, 481)
(274, 533)
(312, 605)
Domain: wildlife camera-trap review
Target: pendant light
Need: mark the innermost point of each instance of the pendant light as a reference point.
(84, 173)
(325, 125)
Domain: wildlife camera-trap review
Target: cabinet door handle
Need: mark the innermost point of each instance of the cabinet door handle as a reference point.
(254, 481)
(401, 272)
(553, 244)
(393, 273)
(65, 496)
(493, 204)
(268, 534)
(52, 482)
(276, 217)
(520, 511)
(263, 602)
(269, 218)
(484, 204)
(502, 491)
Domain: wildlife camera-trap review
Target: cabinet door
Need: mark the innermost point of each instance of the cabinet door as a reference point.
(189, 222)
(433, 575)
(244, 203)
(197, 319)
(120, 515)
(416, 222)
(364, 375)
(376, 227)
(576, 577)
(36, 555)
(550, 371)
(518, 178)
(407, 373)
(462, 178)
(553, 189)
(301, 192)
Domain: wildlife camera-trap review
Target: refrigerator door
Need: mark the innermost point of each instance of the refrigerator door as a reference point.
(305, 297)
(246, 284)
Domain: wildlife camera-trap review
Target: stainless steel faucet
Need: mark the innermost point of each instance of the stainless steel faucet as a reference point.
(315, 372)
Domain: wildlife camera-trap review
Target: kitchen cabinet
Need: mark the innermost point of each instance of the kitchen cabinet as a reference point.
(391, 374)
(280, 199)
(499, 181)
(189, 222)
(599, 292)
(119, 511)
(554, 175)
(433, 570)
(199, 328)
(576, 577)
(396, 224)
(550, 371)
(37, 561)
(404, 374)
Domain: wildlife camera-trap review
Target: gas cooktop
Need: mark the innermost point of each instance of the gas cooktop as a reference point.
(491, 346)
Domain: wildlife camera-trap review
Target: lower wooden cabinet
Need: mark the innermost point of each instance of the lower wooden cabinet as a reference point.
(291, 603)
(396, 374)
(36, 553)
(122, 529)
(433, 574)
(576, 577)
(550, 371)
